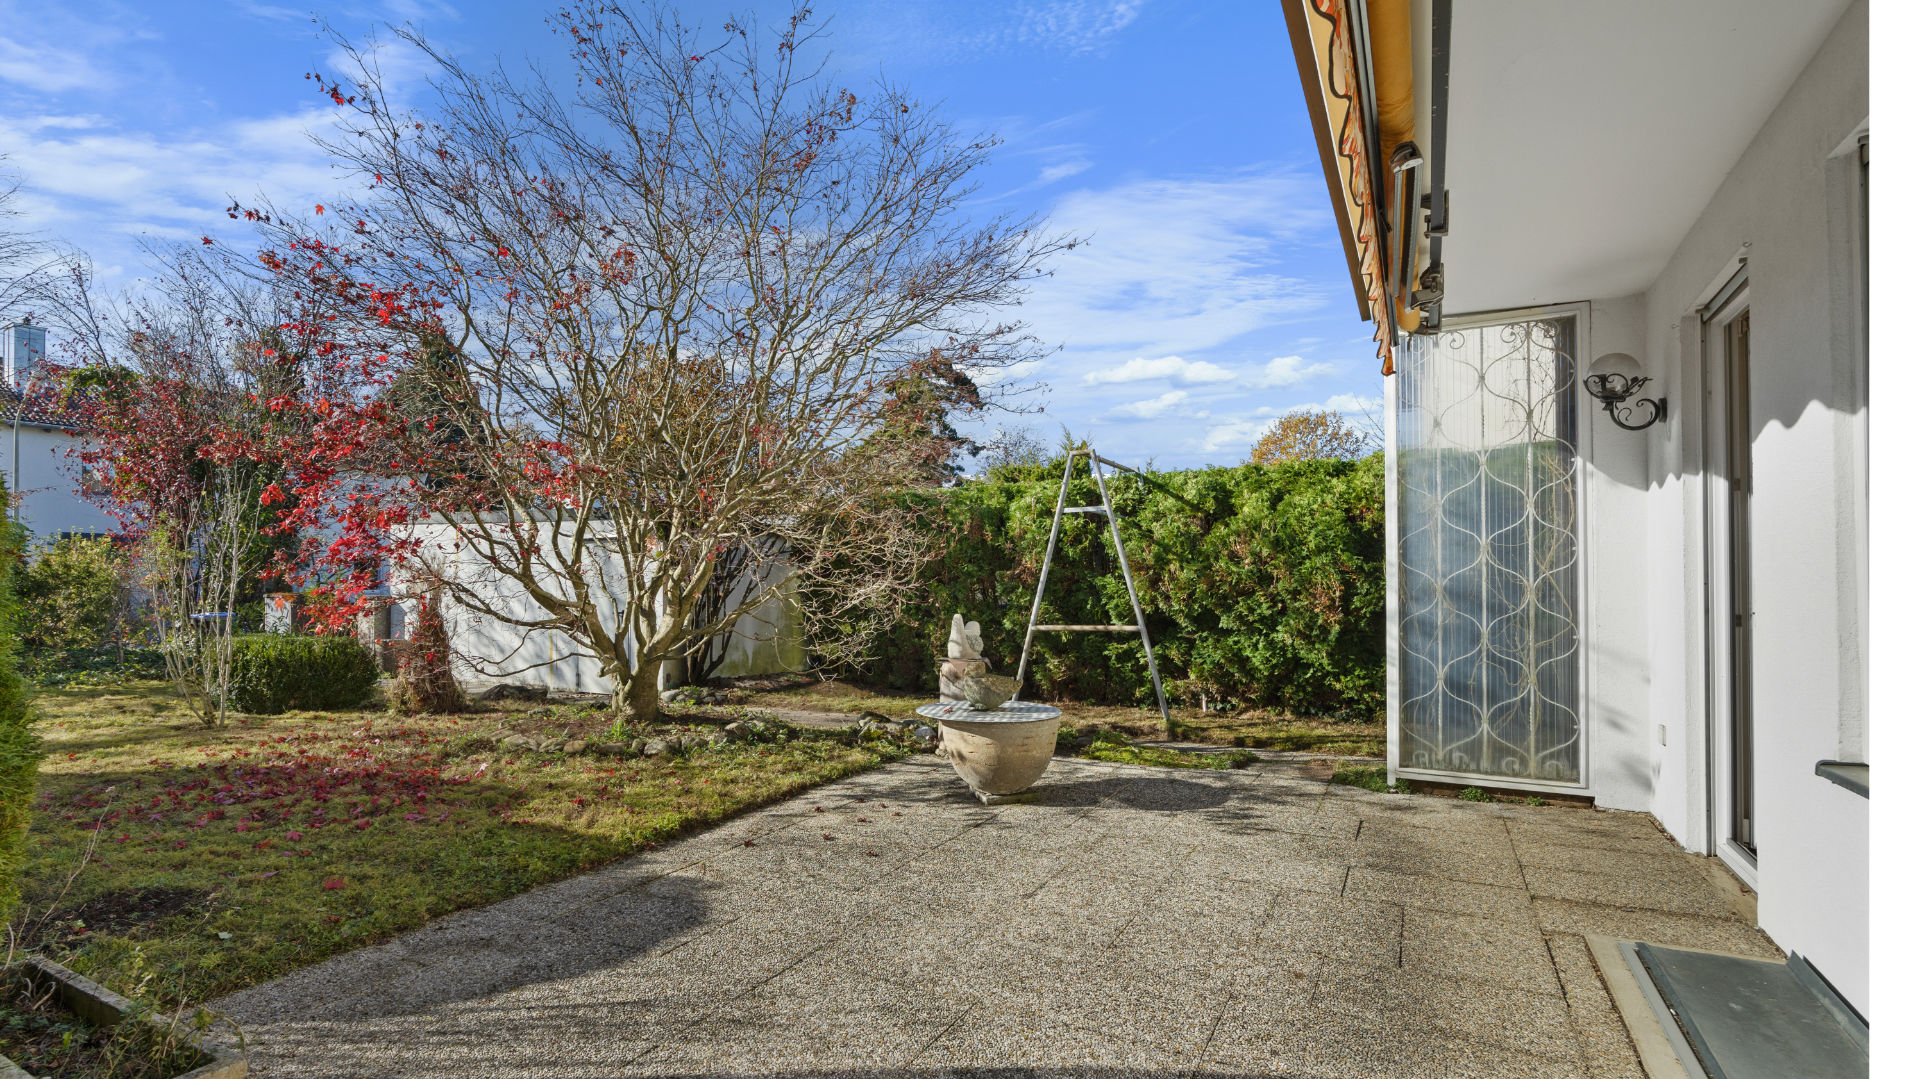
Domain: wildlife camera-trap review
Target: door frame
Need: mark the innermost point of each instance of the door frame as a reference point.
(1732, 300)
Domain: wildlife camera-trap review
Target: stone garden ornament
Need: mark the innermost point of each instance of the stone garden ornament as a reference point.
(963, 658)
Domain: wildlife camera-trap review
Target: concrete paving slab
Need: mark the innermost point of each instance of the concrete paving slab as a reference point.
(1679, 889)
(1439, 893)
(1664, 927)
(1481, 864)
(1532, 1022)
(1603, 1040)
(1476, 949)
(1124, 922)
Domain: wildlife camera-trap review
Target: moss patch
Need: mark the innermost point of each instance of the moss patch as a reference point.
(1106, 745)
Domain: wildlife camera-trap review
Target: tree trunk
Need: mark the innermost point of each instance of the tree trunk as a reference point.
(636, 696)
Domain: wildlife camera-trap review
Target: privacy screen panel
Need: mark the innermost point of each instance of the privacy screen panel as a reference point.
(1488, 553)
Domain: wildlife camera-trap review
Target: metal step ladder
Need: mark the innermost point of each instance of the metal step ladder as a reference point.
(1104, 509)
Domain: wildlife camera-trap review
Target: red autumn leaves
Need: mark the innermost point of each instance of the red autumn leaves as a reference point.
(306, 781)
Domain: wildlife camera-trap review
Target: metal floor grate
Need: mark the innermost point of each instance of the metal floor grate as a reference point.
(1731, 1017)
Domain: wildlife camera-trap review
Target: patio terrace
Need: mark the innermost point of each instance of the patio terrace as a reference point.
(1127, 921)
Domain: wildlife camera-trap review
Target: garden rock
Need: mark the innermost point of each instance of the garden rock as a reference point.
(519, 741)
(506, 691)
(655, 747)
(574, 747)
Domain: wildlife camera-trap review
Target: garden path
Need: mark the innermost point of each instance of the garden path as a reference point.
(1127, 921)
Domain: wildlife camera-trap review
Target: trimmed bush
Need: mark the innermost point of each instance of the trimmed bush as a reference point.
(277, 672)
(1262, 585)
(19, 749)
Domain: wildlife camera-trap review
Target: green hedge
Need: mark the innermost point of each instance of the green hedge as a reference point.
(275, 672)
(1262, 585)
(19, 749)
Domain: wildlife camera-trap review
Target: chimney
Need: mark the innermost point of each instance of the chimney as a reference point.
(24, 348)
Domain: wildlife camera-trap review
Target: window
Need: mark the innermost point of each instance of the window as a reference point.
(1488, 553)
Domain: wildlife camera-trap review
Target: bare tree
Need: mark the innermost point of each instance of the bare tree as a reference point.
(25, 258)
(659, 313)
(177, 390)
(1011, 448)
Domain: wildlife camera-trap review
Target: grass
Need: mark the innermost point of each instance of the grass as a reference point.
(1112, 746)
(1250, 728)
(1372, 778)
(182, 864)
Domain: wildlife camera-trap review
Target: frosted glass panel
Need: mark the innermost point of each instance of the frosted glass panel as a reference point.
(1489, 675)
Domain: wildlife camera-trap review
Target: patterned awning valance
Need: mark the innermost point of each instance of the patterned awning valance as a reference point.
(1330, 73)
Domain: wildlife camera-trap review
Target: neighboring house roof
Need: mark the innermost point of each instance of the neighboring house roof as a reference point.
(41, 409)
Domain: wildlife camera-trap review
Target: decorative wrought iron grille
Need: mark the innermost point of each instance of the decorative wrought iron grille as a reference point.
(1488, 558)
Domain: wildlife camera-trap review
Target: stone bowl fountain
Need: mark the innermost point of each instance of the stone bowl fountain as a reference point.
(999, 752)
(1000, 746)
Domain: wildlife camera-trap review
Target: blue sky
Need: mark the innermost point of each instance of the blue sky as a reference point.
(1213, 294)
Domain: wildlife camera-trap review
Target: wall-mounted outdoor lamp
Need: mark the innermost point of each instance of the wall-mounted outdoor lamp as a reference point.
(1615, 386)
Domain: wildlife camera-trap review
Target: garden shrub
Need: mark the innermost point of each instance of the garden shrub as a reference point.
(19, 748)
(276, 672)
(74, 596)
(424, 680)
(1262, 585)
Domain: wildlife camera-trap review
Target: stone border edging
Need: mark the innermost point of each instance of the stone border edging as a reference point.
(104, 1008)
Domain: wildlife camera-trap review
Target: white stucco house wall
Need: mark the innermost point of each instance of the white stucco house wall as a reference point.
(1662, 607)
(767, 639)
(37, 444)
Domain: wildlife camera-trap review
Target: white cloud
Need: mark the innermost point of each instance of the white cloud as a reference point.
(1174, 267)
(1287, 370)
(1151, 408)
(993, 376)
(1172, 368)
(1238, 435)
(45, 69)
(1076, 25)
(1064, 169)
(144, 181)
(1350, 404)
(1353, 402)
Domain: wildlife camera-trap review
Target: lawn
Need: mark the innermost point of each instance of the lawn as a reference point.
(180, 864)
(1253, 728)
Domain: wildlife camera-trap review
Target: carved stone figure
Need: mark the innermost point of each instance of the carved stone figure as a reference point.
(963, 658)
(963, 641)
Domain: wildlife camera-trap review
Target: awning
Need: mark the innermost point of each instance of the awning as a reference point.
(1358, 79)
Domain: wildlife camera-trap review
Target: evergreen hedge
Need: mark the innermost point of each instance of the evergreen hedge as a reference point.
(19, 749)
(1262, 585)
(277, 672)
